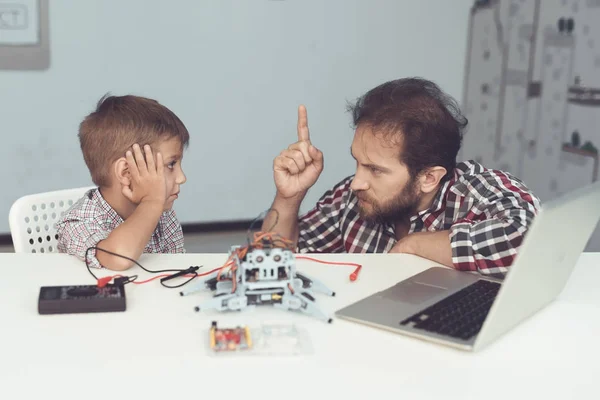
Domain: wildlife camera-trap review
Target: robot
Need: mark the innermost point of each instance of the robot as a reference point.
(262, 274)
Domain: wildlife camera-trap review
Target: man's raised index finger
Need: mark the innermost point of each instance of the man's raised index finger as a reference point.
(303, 125)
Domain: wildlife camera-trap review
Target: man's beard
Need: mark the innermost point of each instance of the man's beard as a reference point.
(399, 208)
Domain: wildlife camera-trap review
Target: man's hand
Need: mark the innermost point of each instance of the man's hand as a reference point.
(434, 246)
(296, 169)
(147, 177)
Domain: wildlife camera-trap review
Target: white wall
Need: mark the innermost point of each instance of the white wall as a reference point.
(234, 71)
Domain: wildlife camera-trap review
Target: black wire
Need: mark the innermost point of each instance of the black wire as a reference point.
(191, 270)
(251, 225)
(134, 261)
(260, 216)
(181, 284)
(276, 218)
(134, 277)
(87, 264)
(125, 279)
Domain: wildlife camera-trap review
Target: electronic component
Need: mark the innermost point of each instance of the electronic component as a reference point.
(263, 273)
(230, 339)
(81, 299)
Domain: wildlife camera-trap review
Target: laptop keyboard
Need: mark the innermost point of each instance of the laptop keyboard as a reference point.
(460, 315)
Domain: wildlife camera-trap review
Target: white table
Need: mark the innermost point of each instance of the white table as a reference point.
(158, 347)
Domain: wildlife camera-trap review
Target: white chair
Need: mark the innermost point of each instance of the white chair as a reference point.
(32, 219)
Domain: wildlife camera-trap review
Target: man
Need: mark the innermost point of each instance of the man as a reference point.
(408, 194)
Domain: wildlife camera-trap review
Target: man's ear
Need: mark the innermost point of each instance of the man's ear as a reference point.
(430, 179)
(121, 172)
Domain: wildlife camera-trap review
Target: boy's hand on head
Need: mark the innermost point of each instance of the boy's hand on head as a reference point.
(147, 176)
(298, 167)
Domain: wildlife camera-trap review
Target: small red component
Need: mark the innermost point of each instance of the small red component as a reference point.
(104, 281)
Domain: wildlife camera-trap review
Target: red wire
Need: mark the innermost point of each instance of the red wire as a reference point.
(186, 276)
(156, 277)
(353, 275)
(327, 262)
(216, 269)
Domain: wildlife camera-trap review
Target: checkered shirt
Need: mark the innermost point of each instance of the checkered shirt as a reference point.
(487, 213)
(91, 219)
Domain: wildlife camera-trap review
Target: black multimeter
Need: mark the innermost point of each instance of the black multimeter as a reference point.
(81, 299)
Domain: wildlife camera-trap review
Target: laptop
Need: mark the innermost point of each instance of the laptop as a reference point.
(468, 310)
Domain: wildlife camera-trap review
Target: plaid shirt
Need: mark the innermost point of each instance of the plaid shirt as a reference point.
(91, 219)
(487, 213)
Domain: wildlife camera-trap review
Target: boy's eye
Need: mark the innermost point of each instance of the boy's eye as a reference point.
(171, 165)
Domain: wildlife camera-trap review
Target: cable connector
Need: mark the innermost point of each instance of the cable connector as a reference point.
(104, 281)
(190, 270)
(354, 275)
(122, 280)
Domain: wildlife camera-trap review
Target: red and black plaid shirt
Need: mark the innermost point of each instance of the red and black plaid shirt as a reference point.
(91, 219)
(487, 213)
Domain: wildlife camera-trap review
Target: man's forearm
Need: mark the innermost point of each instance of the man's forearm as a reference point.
(283, 218)
(434, 246)
(131, 237)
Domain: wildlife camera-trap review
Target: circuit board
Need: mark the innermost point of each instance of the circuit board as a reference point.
(230, 339)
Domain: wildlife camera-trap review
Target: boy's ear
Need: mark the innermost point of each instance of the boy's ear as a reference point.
(121, 171)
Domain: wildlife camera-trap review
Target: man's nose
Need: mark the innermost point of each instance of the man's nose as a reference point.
(358, 184)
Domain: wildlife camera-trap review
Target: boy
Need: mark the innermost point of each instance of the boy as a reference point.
(133, 147)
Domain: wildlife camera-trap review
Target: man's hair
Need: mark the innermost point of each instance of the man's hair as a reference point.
(117, 124)
(417, 112)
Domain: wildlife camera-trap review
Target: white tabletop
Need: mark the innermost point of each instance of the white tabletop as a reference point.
(158, 347)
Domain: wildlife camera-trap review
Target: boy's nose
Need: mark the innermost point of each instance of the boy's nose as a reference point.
(182, 178)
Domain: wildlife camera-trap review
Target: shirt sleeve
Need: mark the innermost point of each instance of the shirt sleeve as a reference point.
(488, 239)
(173, 241)
(76, 236)
(319, 229)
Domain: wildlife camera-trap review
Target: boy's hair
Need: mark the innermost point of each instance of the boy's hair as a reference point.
(117, 124)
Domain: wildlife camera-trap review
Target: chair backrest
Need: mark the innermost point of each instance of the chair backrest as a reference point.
(32, 219)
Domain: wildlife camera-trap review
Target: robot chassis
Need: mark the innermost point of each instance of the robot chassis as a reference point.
(264, 276)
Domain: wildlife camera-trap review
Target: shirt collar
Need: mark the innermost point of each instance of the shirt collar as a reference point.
(440, 198)
(97, 196)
